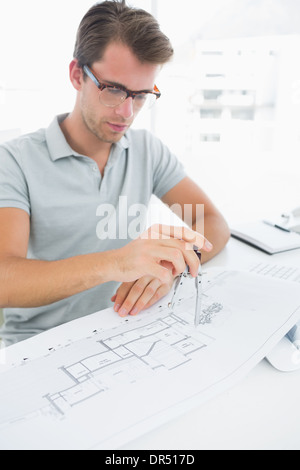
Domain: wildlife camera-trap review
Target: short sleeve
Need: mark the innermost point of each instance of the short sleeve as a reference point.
(168, 171)
(13, 186)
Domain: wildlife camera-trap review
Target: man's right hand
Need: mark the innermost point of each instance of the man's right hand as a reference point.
(31, 283)
(144, 256)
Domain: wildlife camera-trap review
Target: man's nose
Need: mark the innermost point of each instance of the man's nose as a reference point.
(126, 109)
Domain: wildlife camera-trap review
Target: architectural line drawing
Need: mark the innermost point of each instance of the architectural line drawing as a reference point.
(127, 356)
(101, 381)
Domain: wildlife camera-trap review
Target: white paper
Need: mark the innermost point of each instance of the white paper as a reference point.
(286, 354)
(277, 271)
(102, 381)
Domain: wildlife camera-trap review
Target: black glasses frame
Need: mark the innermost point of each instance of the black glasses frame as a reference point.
(129, 94)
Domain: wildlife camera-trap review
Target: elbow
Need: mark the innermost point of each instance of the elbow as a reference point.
(221, 231)
(3, 296)
(3, 303)
(227, 233)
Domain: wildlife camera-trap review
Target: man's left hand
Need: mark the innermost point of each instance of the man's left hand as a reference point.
(133, 297)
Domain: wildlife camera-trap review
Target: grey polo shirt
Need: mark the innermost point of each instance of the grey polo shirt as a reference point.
(74, 211)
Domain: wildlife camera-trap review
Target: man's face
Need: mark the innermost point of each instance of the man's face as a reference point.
(118, 66)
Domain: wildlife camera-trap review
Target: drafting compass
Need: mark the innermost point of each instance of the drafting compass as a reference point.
(198, 286)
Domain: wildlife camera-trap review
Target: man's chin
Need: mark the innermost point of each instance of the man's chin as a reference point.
(109, 137)
(113, 139)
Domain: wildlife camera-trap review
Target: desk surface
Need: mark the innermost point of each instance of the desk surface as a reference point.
(261, 412)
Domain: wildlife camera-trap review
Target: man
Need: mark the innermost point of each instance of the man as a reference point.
(57, 260)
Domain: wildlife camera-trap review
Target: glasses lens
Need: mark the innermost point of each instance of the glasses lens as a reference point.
(112, 97)
(144, 100)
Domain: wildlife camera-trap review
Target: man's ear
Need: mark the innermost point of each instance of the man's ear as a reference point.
(76, 74)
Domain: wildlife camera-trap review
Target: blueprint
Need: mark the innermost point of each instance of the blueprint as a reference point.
(101, 381)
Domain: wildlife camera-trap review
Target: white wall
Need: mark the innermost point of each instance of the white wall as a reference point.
(37, 39)
(255, 168)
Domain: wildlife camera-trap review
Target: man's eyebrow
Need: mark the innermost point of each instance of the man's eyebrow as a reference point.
(120, 85)
(108, 82)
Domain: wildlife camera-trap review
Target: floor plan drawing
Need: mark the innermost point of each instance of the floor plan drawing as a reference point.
(123, 376)
(108, 359)
(126, 358)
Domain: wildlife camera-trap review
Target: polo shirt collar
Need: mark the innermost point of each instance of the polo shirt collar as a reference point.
(59, 148)
(57, 145)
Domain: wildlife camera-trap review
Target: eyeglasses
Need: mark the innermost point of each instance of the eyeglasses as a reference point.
(112, 96)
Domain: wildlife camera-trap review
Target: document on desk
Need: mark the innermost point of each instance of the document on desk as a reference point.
(286, 354)
(101, 381)
(277, 271)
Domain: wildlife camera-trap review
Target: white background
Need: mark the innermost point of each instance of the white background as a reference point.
(253, 170)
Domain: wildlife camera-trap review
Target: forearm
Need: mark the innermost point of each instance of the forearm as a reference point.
(32, 283)
(217, 232)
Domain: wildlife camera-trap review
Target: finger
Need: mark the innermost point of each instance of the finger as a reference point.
(167, 264)
(135, 293)
(159, 272)
(113, 298)
(188, 235)
(193, 262)
(160, 231)
(148, 295)
(161, 292)
(179, 253)
(121, 294)
(172, 252)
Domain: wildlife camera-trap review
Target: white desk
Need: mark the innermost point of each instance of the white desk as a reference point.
(262, 412)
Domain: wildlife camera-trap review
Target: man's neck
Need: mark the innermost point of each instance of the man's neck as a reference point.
(82, 141)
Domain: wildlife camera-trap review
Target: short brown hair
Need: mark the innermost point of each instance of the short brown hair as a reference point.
(114, 21)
